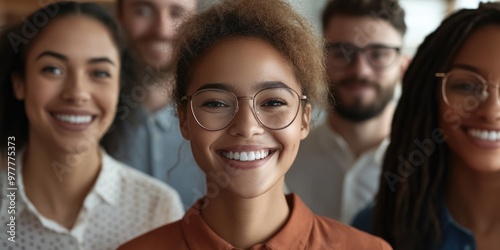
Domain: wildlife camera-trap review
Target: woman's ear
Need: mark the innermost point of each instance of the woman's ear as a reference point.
(306, 121)
(183, 124)
(18, 86)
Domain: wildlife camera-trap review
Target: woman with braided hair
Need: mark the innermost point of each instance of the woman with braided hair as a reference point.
(441, 173)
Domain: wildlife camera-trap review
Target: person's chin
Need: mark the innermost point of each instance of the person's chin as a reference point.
(160, 65)
(358, 106)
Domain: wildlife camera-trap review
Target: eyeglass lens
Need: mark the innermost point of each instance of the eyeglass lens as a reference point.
(463, 88)
(341, 55)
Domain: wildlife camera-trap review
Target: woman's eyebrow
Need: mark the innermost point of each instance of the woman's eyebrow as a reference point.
(52, 54)
(65, 58)
(216, 85)
(465, 66)
(101, 60)
(256, 86)
(269, 84)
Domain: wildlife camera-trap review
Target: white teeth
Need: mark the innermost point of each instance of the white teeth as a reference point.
(246, 156)
(251, 156)
(75, 119)
(484, 134)
(243, 156)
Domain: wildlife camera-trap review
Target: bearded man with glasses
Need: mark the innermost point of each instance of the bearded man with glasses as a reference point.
(337, 169)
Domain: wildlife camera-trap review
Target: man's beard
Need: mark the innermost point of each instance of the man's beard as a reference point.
(165, 65)
(357, 111)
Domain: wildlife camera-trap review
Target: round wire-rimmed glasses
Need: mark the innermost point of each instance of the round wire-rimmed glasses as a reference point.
(274, 108)
(462, 87)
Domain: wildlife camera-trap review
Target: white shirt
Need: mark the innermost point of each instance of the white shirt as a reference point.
(329, 179)
(123, 204)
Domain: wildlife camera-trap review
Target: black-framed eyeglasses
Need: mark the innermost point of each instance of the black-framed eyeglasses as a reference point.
(274, 108)
(464, 88)
(379, 56)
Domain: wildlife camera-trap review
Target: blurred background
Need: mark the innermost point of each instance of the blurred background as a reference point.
(422, 16)
(15, 10)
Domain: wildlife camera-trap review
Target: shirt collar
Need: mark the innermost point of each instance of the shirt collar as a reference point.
(453, 235)
(447, 219)
(106, 187)
(298, 227)
(295, 232)
(25, 203)
(333, 140)
(108, 182)
(197, 232)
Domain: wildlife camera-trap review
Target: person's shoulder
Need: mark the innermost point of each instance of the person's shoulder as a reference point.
(336, 233)
(169, 236)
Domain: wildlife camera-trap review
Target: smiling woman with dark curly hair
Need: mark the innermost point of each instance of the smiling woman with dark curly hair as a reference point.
(248, 75)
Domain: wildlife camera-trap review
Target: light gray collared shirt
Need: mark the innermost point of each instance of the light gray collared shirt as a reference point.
(330, 179)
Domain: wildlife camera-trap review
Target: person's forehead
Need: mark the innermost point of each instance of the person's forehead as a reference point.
(160, 4)
(361, 31)
(60, 38)
(481, 50)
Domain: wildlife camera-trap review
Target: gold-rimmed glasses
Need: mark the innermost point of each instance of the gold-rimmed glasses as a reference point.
(274, 108)
(464, 87)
